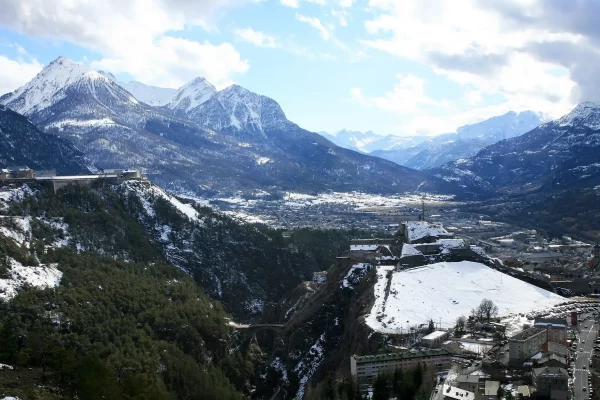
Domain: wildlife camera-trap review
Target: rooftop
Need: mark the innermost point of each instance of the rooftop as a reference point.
(468, 378)
(435, 335)
(556, 322)
(550, 372)
(400, 356)
(491, 388)
(456, 393)
(527, 333)
(420, 229)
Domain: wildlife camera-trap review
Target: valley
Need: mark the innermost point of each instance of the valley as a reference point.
(194, 243)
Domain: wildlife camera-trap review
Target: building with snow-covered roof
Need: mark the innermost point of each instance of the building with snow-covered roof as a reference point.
(454, 393)
(422, 232)
(434, 339)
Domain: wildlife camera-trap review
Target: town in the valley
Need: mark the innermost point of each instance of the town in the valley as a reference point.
(485, 312)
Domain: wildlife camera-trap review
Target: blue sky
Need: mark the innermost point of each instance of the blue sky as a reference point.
(410, 67)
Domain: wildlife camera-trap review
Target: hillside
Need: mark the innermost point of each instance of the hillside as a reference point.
(24, 144)
(203, 139)
(130, 258)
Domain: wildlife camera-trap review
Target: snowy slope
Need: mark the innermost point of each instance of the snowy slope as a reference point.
(448, 290)
(191, 95)
(152, 95)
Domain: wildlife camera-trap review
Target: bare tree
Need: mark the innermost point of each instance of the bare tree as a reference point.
(461, 323)
(487, 309)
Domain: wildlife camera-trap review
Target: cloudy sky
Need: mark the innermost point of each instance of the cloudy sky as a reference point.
(391, 66)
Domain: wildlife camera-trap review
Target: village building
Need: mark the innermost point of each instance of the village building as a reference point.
(365, 368)
(526, 344)
(551, 383)
(434, 339)
(414, 232)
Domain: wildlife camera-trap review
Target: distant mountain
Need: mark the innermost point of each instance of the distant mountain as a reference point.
(368, 142)
(203, 139)
(435, 151)
(24, 144)
(152, 95)
(557, 155)
(353, 140)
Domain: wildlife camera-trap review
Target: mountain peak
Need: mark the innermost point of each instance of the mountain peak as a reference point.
(108, 75)
(585, 114)
(191, 95)
(38, 93)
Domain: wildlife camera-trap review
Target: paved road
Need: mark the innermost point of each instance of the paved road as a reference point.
(589, 330)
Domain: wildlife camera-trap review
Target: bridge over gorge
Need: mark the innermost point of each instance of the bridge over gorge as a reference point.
(255, 327)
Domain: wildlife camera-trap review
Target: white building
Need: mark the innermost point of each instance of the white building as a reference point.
(434, 339)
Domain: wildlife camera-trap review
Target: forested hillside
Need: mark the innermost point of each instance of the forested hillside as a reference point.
(130, 317)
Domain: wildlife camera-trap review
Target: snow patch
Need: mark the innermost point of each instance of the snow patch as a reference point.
(40, 277)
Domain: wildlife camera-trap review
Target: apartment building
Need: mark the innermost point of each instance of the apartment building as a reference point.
(526, 344)
(365, 368)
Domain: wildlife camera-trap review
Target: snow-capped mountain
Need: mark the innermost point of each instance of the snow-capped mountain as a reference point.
(24, 144)
(40, 92)
(369, 142)
(353, 140)
(435, 151)
(191, 95)
(152, 95)
(556, 155)
(234, 108)
(227, 140)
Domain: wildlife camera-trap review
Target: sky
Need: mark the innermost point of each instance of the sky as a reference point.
(391, 66)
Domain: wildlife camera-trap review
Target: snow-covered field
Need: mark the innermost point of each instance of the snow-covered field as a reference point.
(446, 291)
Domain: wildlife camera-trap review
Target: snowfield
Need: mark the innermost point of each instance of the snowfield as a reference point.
(40, 277)
(447, 290)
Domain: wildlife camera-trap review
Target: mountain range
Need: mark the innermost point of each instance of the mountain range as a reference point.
(199, 139)
(423, 152)
(558, 155)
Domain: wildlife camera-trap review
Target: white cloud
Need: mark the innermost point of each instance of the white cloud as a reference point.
(419, 113)
(296, 3)
(176, 61)
(315, 23)
(407, 97)
(16, 73)
(256, 38)
(485, 48)
(130, 33)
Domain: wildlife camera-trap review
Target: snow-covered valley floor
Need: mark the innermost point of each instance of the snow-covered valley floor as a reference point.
(445, 291)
